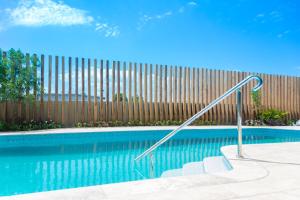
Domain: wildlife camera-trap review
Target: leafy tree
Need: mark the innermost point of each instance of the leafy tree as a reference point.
(121, 97)
(18, 79)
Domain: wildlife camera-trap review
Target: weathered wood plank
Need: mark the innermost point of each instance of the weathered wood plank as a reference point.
(95, 92)
(175, 94)
(119, 112)
(107, 110)
(161, 116)
(130, 109)
(76, 90)
(56, 91)
(156, 112)
(124, 110)
(135, 100)
(70, 104)
(146, 112)
(150, 94)
(170, 101)
(63, 90)
(113, 112)
(166, 113)
(82, 91)
(141, 114)
(42, 117)
(101, 117)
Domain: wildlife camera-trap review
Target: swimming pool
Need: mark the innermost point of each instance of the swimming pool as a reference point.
(43, 162)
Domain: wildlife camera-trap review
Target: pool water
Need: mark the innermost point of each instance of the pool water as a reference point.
(36, 163)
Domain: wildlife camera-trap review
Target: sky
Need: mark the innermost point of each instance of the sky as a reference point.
(242, 35)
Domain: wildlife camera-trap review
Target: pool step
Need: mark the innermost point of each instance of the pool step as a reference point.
(207, 166)
(193, 168)
(215, 164)
(172, 173)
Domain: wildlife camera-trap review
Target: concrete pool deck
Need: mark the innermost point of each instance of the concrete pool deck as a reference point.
(268, 171)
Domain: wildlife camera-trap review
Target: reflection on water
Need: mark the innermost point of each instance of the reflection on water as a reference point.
(42, 168)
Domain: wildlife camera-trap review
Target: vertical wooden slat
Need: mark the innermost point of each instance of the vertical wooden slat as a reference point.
(231, 78)
(220, 92)
(270, 105)
(184, 94)
(63, 90)
(130, 109)
(146, 113)
(76, 90)
(155, 94)
(161, 116)
(166, 114)
(70, 111)
(175, 94)
(107, 91)
(49, 89)
(113, 93)
(193, 91)
(210, 92)
(124, 93)
(150, 94)
(279, 87)
(141, 114)
(200, 94)
(170, 94)
(136, 115)
(34, 105)
(298, 97)
(27, 89)
(82, 92)
(89, 92)
(119, 114)
(204, 91)
(293, 92)
(42, 117)
(197, 80)
(286, 92)
(180, 94)
(56, 90)
(189, 91)
(95, 92)
(101, 117)
(224, 76)
(216, 94)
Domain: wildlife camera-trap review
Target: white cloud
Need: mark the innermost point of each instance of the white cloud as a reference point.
(37, 13)
(47, 12)
(192, 3)
(108, 30)
(147, 18)
(144, 19)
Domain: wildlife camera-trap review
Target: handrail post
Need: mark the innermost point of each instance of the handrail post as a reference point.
(239, 122)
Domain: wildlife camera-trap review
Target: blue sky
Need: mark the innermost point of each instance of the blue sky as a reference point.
(244, 35)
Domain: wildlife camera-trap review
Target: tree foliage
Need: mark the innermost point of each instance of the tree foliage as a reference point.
(18, 79)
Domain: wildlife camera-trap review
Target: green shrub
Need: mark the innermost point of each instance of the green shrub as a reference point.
(254, 122)
(140, 123)
(28, 126)
(273, 117)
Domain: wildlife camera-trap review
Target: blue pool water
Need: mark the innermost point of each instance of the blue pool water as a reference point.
(35, 163)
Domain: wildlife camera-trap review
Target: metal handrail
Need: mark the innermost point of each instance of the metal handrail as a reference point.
(237, 87)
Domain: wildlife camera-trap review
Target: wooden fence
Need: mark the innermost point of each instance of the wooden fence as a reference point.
(84, 90)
